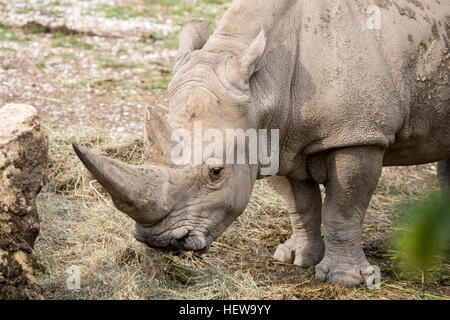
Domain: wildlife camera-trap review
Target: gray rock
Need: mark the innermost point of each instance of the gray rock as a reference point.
(23, 157)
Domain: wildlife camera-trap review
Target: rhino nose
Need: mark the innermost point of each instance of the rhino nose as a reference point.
(179, 238)
(195, 243)
(180, 233)
(179, 244)
(186, 240)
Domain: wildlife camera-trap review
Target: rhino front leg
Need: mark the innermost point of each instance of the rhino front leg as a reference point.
(305, 247)
(352, 175)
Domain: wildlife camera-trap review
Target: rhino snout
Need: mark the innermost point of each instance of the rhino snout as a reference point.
(182, 238)
(193, 242)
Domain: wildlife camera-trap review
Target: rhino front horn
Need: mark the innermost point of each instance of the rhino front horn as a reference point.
(138, 191)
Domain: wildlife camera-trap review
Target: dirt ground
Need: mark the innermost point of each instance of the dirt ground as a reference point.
(77, 75)
(90, 67)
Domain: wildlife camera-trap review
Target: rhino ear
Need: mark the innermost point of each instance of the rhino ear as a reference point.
(157, 137)
(249, 58)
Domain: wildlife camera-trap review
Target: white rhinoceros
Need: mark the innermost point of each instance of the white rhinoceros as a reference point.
(351, 87)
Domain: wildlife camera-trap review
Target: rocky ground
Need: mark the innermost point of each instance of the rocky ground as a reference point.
(92, 63)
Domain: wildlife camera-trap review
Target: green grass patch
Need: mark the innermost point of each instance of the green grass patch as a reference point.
(155, 84)
(8, 34)
(169, 41)
(24, 10)
(40, 64)
(7, 66)
(72, 41)
(67, 55)
(104, 83)
(45, 10)
(34, 29)
(123, 12)
(107, 62)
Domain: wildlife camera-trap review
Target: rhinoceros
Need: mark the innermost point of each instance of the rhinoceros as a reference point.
(348, 95)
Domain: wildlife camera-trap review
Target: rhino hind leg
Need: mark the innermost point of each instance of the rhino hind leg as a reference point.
(443, 172)
(305, 247)
(353, 174)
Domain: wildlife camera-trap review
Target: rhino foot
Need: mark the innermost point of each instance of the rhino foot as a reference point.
(300, 251)
(349, 274)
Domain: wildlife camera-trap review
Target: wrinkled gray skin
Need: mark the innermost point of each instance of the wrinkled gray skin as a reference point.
(346, 99)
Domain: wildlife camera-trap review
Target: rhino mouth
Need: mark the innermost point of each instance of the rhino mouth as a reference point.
(195, 243)
(179, 239)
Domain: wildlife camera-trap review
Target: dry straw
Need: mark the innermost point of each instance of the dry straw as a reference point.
(80, 226)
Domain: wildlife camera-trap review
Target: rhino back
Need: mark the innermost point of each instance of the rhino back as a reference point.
(352, 85)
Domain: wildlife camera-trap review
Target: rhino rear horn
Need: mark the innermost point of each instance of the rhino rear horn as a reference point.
(157, 138)
(192, 36)
(138, 191)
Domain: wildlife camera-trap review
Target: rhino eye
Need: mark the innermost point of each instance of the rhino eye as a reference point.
(215, 171)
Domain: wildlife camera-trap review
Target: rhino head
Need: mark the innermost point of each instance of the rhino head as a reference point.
(188, 206)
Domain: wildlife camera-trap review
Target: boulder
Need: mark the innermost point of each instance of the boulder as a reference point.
(23, 156)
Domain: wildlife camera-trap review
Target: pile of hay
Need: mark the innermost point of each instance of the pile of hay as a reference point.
(80, 227)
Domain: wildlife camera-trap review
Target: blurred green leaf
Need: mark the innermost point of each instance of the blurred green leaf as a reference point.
(426, 239)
